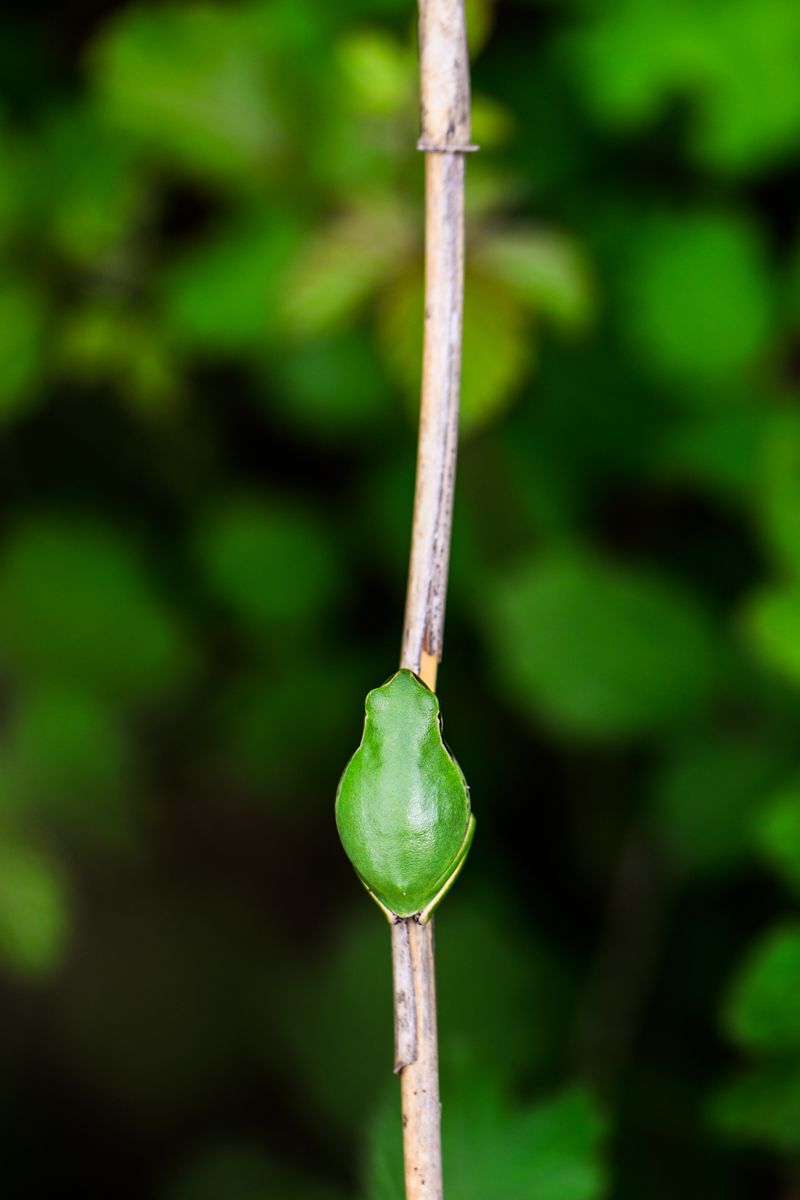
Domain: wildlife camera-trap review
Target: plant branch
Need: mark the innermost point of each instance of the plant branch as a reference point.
(445, 137)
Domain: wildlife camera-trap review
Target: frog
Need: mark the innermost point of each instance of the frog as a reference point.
(403, 807)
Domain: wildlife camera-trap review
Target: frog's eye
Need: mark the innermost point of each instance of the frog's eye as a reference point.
(376, 701)
(424, 697)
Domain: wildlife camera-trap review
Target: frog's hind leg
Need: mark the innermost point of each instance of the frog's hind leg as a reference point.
(422, 917)
(391, 917)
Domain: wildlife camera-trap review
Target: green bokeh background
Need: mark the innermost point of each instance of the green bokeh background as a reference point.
(210, 310)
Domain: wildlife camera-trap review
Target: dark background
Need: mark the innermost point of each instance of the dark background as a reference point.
(210, 310)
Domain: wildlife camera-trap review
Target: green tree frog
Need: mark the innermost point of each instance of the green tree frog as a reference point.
(402, 805)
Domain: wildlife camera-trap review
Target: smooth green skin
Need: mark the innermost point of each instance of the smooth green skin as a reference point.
(402, 806)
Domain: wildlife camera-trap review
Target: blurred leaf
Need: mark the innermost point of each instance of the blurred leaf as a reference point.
(498, 344)
(331, 388)
(629, 56)
(17, 181)
(313, 1040)
(359, 8)
(762, 1105)
(23, 317)
(734, 60)
(718, 451)
(378, 71)
(492, 126)
(524, 994)
(777, 834)
(192, 85)
(698, 299)
(259, 729)
(778, 492)
(596, 649)
(749, 110)
(761, 1010)
(224, 294)
(76, 606)
(580, 439)
(104, 344)
(34, 921)
(66, 759)
(480, 20)
(549, 1151)
(90, 187)
(342, 266)
(272, 566)
(771, 624)
(706, 797)
(489, 190)
(242, 1171)
(363, 149)
(544, 268)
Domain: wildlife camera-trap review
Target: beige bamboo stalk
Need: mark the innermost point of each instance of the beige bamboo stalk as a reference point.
(445, 137)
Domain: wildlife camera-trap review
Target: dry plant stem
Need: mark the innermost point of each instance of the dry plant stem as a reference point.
(445, 137)
(405, 1005)
(419, 1080)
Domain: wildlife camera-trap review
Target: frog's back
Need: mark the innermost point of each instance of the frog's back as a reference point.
(402, 806)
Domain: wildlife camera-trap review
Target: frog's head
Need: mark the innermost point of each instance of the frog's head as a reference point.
(403, 696)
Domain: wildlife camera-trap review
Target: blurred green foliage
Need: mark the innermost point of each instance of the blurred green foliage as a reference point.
(598, 650)
(493, 1148)
(210, 329)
